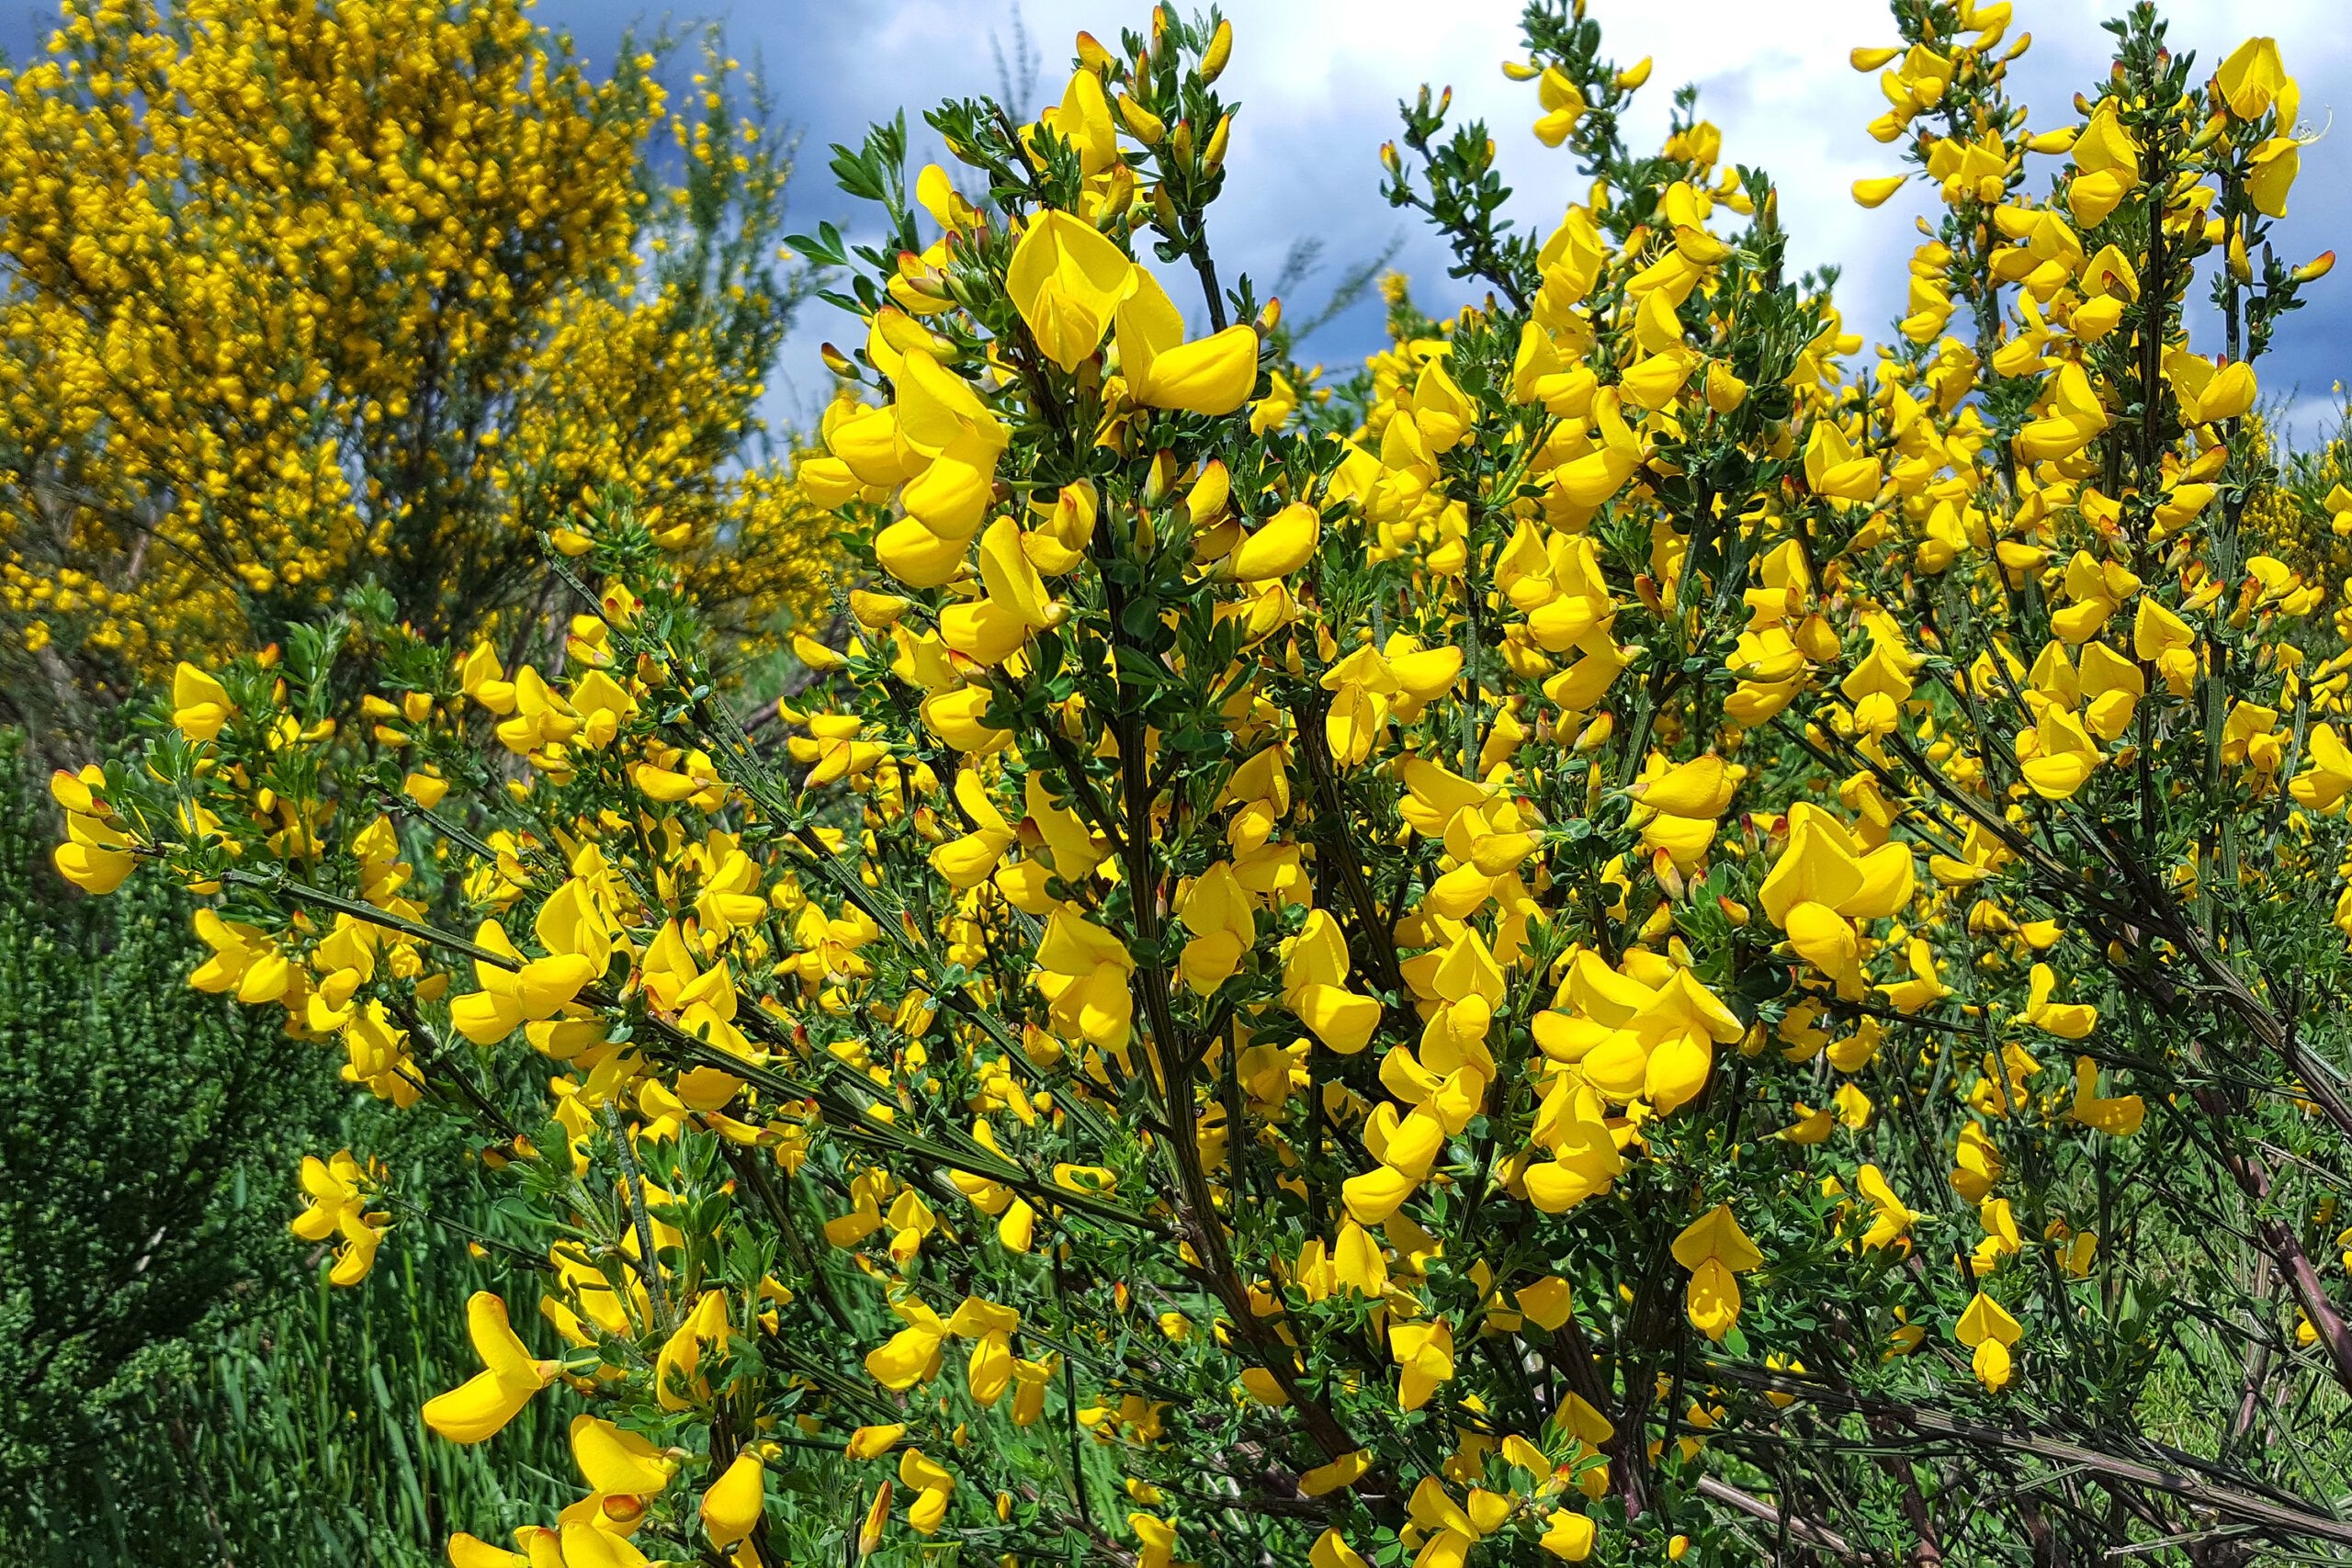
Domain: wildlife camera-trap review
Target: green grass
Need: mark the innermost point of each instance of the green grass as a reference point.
(293, 1437)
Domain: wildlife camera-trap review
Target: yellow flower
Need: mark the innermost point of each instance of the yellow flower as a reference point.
(1212, 376)
(1716, 1252)
(476, 1410)
(96, 855)
(623, 1469)
(1084, 973)
(200, 705)
(1082, 118)
(2119, 1116)
(1833, 469)
(2208, 393)
(2108, 167)
(337, 1191)
(2253, 77)
(2069, 1020)
(1424, 1353)
(1315, 976)
(2271, 170)
(1988, 1330)
(1280, 547)
(736, 1501)
(1822, 882)
(1066, 281)
(1563, 107)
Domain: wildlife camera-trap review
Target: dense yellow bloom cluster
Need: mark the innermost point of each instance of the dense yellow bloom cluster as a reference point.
(1612, 943)
(301, 295)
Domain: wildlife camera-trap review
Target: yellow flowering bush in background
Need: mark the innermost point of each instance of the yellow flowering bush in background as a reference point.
(299, 297)
(1640, 934)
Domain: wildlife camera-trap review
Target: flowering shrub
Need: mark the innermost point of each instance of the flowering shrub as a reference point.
(1630, 936)
(299, 295)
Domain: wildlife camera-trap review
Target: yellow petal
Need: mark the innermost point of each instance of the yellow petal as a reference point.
(615, 1459)
(472, 1551)
(735, 1502)
(478, 1409)
(1280, 547)
(1340, 1019)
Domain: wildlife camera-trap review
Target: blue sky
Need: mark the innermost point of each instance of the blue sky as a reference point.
(1319, 82)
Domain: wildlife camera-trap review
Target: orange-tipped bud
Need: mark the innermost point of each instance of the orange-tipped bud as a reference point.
(877, 1514)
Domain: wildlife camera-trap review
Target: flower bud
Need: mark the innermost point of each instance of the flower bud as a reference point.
(1670, 880)
(1220, 51)
(1145, 126)
(869, 1533)
(1161, 477)
(1213, 156)
(1206, 503)
(919, 277)
(1123, 191)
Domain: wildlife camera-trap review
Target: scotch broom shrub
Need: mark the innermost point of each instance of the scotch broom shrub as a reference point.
(300, 297)
(1640, 934)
